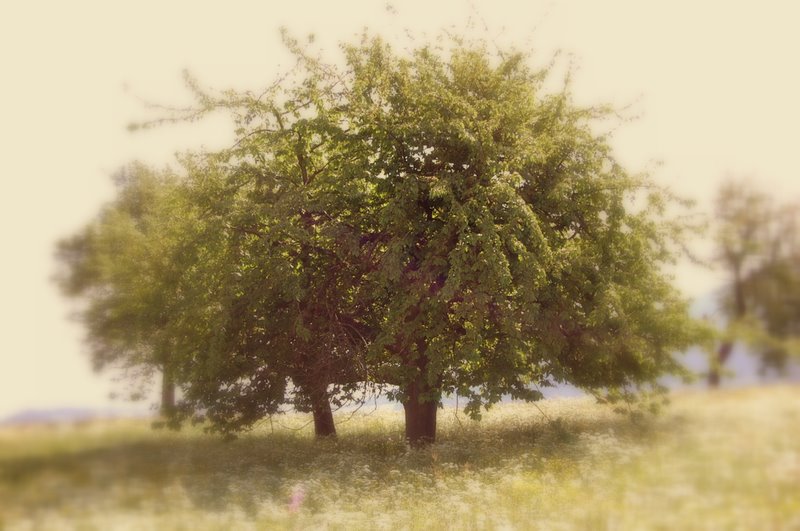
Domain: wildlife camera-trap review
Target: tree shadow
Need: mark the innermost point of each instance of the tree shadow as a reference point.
(214, 475)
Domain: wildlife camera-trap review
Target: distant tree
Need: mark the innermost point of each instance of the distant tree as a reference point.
(127, 265)
(758, 244)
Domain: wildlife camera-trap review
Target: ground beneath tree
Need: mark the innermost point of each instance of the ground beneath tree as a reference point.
(719, 460)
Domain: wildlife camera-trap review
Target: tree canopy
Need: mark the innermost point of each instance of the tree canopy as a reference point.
(426, 223)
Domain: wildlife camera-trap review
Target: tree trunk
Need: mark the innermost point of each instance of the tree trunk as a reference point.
(739, 311)
(715, 372)
(724, 352)
(167, 392)
(420, 417)
(313, 391)
(323, 416)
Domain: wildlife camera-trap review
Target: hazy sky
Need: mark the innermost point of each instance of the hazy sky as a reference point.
(715, 85)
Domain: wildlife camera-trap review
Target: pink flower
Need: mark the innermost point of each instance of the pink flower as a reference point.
(296, 500)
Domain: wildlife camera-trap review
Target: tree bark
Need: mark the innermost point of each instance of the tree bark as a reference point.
(167, 391)
(323, 416)
(313, 389)
(420, 417)
(715, 372)
(740, 309)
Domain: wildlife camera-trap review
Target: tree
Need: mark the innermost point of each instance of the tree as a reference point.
(127, 263)
(428, 223)
(285, 193)
(512, 254)
(757, 244)
(289, 303)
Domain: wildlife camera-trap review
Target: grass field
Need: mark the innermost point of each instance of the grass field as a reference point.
(718, 460)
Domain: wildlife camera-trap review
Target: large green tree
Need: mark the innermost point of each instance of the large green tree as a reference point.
(490, 236)
(514, 255)
(429, 222)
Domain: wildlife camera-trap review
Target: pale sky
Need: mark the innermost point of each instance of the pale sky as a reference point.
(715, 85)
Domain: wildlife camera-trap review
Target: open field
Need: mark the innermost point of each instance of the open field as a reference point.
(719, 460)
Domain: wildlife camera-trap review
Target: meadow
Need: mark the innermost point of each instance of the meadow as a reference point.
(726, 459)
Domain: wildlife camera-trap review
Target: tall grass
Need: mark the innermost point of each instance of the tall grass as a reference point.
(722, 460)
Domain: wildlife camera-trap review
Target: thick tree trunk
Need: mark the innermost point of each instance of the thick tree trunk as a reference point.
(323, 416)
(420, 418)
(314, 392)
(167, 392)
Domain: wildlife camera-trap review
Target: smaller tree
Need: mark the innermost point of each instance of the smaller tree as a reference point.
(281, 200)
(127, 265)
(758, 245)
